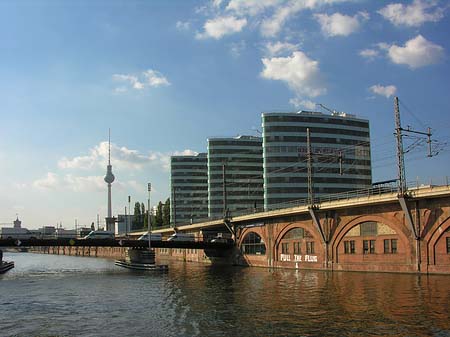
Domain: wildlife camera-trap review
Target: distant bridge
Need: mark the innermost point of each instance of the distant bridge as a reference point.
(65, 242)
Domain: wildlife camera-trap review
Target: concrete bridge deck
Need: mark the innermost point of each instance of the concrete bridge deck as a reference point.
(112, 243)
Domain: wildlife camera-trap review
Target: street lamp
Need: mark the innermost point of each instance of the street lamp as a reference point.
(149, 225)
(128, 223)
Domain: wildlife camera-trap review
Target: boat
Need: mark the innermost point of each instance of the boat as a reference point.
(5, 266)
(141, 266)
(139, 259)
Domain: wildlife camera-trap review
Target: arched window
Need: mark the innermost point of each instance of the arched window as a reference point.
(297, 241)
(253, 245)
(295, 233)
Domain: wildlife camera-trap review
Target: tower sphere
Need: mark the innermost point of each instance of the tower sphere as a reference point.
(109, 178)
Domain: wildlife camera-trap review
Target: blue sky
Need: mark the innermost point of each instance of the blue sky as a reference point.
(166, 75)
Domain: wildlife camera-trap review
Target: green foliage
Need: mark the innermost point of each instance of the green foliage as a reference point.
(137, 208)
(166, 213)
(159, 215)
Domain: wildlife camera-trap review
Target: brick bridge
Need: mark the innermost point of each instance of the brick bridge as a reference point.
(376, 232)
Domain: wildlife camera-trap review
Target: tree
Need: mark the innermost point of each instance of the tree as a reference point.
(145, 215)
(137, 219)
(166, 213)
(137, 208)
(159, 215)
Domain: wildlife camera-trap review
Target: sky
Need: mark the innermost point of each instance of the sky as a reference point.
(165, 76)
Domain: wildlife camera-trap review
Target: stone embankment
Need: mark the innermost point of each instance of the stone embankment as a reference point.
(106, 252)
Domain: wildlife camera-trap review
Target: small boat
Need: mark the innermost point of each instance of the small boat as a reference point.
(141, 266)
(139, 259)
(5, 266)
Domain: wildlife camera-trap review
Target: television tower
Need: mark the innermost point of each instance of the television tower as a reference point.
(109, 179)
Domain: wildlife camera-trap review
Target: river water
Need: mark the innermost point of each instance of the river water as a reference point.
(50, 295)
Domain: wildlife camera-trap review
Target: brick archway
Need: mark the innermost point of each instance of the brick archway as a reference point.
(342, 230)
(309, 227)
(256, 230)
(433, 236)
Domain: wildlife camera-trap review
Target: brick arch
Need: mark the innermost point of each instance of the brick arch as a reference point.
(391, 222)
(433, 237)
(307, 226)
(257, 230)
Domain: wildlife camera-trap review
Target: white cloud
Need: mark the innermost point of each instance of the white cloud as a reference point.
(83, 184)
(132, 80)
(386, 91)
(120, 90)
(20, 186)
(339, 24)
(50, 181)
(217, 3)
(149, 78)
(183, 26)
(269, 15)
(417, 52)
(186, 152)
(298, 71)
(298, 103)
(74, 183)
(413, 15)
(236, 48)
(251, 7)
(155, 78)
(279, 48)
(122, 158)
(270, 27)
(221, 26)
(369, 54)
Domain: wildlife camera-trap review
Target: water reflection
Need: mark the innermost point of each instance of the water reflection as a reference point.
(74, 296)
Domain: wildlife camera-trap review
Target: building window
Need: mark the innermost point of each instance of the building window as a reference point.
(310, 247)
(369, 228)
(394, 246)
(297, 248)
(295, 233)
(368, 246)
(253, 245)
(285, 248)
(387, 248)
(390, 246)
(448, 245)
(372, 246)
(349, 247)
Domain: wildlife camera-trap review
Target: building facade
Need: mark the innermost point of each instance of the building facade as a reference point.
(340, 155)
(189, 188)
(235, 175)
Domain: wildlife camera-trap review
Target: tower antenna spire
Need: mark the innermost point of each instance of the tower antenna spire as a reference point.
(109, 146)
(109, 179)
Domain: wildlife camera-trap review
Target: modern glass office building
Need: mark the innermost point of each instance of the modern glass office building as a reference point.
(235, 170)
(189, 188)
(340, 147)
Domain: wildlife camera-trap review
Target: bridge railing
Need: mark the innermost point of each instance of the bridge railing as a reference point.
(354, 194)
(347, 195)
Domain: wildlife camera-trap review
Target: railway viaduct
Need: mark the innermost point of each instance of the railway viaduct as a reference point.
(365, 232)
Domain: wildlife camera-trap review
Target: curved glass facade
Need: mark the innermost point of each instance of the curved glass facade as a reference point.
(234, 164)
(341, 155)
(189, 188)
